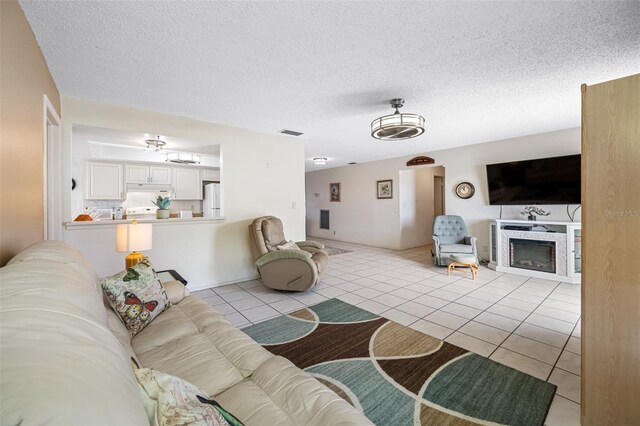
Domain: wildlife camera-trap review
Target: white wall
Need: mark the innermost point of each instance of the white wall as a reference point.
(263, 174)
(353, 220)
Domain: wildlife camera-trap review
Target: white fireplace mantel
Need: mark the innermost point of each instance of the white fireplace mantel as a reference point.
(565, 236)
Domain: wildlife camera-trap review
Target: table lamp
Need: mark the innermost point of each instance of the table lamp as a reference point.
(133, 237)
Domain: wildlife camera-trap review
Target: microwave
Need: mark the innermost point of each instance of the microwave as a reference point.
(103, 214)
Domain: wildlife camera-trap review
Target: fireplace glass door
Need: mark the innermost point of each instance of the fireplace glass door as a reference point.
(532, 254)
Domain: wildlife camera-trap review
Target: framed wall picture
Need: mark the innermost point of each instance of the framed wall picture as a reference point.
(334, 190)
(385, 189)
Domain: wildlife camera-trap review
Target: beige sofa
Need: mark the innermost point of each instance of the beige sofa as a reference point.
(65, 358)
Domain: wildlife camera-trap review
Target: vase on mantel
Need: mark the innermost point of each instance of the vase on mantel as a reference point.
(163, 214)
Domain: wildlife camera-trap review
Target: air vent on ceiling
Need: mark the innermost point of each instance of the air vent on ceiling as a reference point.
(290, 132)
(353, 162)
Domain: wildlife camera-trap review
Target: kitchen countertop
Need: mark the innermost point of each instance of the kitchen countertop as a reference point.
(72, 226)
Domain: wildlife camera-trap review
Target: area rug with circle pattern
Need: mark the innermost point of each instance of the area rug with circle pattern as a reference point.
(398, 376)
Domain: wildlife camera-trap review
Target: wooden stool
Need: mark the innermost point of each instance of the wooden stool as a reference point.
(464, 263)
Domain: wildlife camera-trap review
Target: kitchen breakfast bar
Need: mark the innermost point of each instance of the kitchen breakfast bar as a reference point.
(202, 249)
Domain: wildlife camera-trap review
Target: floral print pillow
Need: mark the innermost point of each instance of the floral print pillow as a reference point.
(136, 295)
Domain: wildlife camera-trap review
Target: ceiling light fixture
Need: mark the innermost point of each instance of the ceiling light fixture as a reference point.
(397, 126)
(320, 161)
(183, 158)
(155, 144)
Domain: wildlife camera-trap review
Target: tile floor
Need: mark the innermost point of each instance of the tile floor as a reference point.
(529, 324)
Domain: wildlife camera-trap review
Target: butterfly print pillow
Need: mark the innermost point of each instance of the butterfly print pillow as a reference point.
(136, 295)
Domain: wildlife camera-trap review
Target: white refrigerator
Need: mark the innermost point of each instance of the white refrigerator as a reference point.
(211, 202)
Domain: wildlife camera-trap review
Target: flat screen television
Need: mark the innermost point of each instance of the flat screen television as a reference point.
(554, 180)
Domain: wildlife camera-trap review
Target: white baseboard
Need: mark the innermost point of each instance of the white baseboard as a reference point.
(198, 287)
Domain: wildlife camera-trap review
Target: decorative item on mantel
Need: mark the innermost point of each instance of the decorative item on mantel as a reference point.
(163, 207)
(532, 211)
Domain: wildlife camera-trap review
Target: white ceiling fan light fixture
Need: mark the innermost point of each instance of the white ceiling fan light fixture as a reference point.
(320, 161)
(155, 144)
(397, 126)
(182, 158)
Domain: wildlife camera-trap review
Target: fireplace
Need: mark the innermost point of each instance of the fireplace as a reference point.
(534, 255)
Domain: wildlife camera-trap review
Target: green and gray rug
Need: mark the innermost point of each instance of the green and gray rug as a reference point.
(399, 376)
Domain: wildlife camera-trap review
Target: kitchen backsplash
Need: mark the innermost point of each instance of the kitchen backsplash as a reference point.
(143, 199)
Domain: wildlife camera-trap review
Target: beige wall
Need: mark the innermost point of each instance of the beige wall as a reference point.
(360, 218)
(24, 79)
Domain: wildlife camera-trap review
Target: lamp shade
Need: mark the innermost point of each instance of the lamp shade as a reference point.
(133, 237)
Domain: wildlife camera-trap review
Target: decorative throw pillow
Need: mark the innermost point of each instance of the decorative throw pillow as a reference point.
(289, 245)
(178, 402)
(136, 295)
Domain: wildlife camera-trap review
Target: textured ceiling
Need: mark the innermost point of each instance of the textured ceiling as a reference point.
(477, 71)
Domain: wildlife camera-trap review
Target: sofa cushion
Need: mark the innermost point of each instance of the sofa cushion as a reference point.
(193, 341)
(282, 394)
(136, 295)
(176, 400)
(60, 362)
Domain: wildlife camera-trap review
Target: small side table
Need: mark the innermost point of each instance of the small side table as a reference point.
(465, 263)
(170, 275)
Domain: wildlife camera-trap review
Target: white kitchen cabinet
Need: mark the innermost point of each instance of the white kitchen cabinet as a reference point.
(160, 175)
(211, 175)
(187, 184)
(135, 173)
(104, 181)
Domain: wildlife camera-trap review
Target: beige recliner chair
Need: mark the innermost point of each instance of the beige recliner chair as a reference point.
(289, 269)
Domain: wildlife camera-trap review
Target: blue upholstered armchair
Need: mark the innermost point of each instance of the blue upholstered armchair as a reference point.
(450, 237)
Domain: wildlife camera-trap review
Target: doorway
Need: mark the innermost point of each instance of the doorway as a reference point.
(438, 196)
(51, 171)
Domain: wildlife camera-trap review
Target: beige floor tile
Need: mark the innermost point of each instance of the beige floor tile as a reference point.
(415, 309)
(550, 323)
(260, 313)
(431, 301)
(237, 319)
(389, 300)
(472, 344)
(351, 298)
(484, 332)
(399, 316)
(557, 314)
(563, 413)
(444, 294)
(247, 303)
(541, 334)
(368, 293)
(508, 312)
(461, 310)
(373, 307)
(431, 329)
(570, 362)
(286, 306)
(568, 384)
(573, 345)
(497, 321)
(522, 363)
(474, 303)
(446, 319)
(532, 349)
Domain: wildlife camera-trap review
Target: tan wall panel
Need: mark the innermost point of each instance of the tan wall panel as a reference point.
(611, 243)
(24, 79)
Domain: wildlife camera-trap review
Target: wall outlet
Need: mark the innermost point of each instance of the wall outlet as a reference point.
(293, 206)
(334, 232)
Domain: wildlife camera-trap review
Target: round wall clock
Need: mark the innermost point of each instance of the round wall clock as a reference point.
(465, 190)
